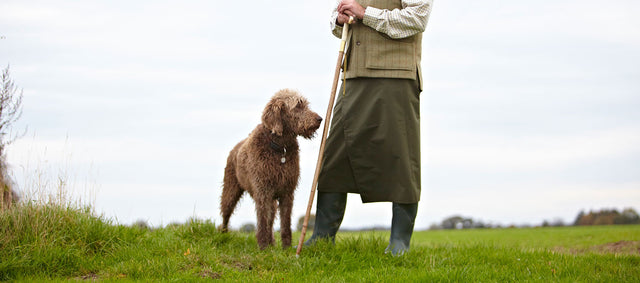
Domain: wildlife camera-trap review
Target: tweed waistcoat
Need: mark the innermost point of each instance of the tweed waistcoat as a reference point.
(374, 54)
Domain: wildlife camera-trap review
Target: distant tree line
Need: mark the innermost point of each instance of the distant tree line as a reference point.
(602, 217)
(607, 217)
(461, 222)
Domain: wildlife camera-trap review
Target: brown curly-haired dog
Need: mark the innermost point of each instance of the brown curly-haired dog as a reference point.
(266, 165)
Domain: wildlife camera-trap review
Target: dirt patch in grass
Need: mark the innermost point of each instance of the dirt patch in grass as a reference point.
(619, 247)
(210, 274)
(88, 277)
(242, 266)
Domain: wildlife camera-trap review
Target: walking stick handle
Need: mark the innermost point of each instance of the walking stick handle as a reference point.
(334, 87)
(345, 31)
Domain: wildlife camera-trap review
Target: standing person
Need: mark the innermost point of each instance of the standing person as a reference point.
(373, 147)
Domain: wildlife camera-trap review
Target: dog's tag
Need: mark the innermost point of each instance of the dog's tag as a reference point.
(283, 160)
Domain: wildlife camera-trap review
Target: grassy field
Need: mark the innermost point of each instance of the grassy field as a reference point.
(57, 242)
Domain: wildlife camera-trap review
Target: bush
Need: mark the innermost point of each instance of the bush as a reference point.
(10, 111)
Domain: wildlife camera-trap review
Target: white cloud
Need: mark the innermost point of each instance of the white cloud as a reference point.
(534, 152)
(515, 22)
(19, 13)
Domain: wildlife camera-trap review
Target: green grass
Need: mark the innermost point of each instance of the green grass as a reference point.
(54, 242)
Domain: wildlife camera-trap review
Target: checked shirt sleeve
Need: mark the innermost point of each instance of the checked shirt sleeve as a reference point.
(399, 23)
(335, 28)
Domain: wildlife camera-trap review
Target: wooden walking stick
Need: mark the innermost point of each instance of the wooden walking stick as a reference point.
(336, 77)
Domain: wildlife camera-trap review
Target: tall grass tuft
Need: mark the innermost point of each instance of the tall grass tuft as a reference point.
(51, 232)
(54, 239)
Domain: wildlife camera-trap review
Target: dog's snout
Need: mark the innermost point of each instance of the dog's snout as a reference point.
(318, 118)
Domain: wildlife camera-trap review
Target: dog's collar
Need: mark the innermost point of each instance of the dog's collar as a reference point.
(279, 148)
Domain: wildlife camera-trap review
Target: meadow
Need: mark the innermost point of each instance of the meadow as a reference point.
(40, 242)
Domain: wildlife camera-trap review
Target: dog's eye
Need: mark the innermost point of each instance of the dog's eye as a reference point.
(299, 106)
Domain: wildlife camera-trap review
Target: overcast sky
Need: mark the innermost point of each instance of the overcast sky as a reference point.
(530, 110)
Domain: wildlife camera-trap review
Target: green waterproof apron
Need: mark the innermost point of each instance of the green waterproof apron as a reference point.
(373, 146)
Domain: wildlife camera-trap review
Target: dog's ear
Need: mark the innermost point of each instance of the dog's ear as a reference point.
(272, 116)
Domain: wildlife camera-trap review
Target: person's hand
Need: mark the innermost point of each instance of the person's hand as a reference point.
(342, 19)
(350, 8)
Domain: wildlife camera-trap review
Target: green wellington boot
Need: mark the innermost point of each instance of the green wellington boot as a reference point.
(329, 214)
(404, 216)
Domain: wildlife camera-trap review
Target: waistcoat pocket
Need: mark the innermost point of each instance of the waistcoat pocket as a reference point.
(389, 54)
